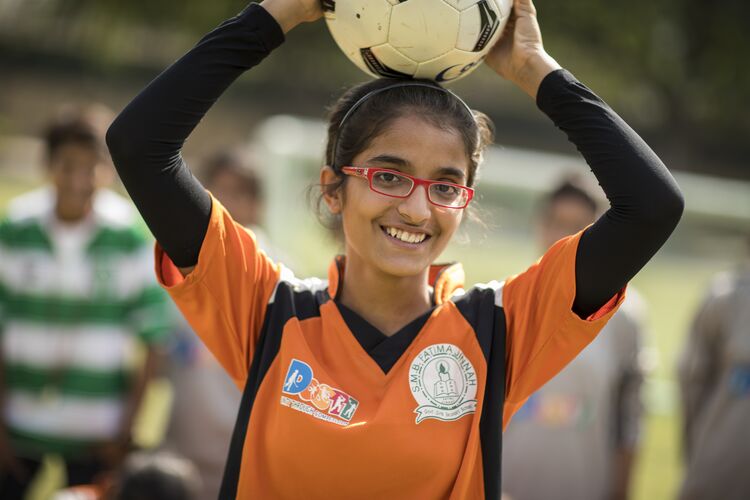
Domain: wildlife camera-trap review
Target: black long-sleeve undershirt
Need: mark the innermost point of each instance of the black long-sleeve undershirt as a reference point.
(146, 138)
(645, 202)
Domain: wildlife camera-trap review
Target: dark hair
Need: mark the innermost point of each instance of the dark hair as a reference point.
(156, 476)
(572, 186)
(237, 162)
(82, 125)
(391, 99)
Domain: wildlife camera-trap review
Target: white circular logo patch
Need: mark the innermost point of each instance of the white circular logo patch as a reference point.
(443, 382)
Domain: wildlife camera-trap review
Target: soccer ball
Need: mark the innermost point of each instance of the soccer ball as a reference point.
(440, 40)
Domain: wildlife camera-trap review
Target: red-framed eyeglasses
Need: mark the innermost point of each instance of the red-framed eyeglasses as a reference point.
(400, 185)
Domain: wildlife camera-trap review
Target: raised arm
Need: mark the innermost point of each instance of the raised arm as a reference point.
(645, 202)
(146, 138)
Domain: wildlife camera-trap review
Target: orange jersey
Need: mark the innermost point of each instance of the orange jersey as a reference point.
(333, 409)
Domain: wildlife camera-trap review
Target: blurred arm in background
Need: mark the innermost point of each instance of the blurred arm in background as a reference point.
(9, 464)
(698, 364)
(115, 452)
(628, 402)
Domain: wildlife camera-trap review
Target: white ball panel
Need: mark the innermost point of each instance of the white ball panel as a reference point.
(351, 51)
(468, 29)
(483, 23)
(461, 5)
(363, 23)
(451, 66)
(394, 59)
(423, 29)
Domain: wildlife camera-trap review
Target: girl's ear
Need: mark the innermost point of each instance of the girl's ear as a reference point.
(334, 200)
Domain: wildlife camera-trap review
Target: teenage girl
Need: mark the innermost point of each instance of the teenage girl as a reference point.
(389, 380)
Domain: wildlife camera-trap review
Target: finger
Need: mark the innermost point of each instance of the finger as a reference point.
(524, 8)
(510, 27)
(512, 16)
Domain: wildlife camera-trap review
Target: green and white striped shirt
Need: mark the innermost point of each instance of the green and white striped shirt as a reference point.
(74, 301)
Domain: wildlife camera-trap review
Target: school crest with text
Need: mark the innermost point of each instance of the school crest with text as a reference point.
(443, 382)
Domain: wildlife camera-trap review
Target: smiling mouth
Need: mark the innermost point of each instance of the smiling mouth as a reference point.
(405, 236)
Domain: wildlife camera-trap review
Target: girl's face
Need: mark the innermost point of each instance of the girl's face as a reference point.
(416, 147)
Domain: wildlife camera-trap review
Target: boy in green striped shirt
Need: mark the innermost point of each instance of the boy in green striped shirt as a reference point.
(77, 302)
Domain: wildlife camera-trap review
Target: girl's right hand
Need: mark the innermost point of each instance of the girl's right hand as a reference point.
(519, 55)
(290, 13)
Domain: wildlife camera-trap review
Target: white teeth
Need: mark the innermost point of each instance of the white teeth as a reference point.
(405, 235)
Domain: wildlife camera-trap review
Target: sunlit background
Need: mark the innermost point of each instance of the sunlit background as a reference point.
(674, 69)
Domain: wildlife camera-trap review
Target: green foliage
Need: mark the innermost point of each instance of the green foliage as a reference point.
(687, 51)
(196, 16)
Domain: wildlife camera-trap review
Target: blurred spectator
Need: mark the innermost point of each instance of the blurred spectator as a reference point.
(233, 178)
(143, 476)
(714, 374)
(76, 295)
(576, 437)
(156, 476)
(206, 400)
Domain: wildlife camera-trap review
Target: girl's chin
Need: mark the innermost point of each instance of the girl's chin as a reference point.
(402, 266)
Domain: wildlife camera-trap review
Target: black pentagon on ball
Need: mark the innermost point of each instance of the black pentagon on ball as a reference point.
(328, 5)
(378, 67)
(489, 23)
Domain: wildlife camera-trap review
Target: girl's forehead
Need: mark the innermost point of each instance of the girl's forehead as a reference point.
(418, 142)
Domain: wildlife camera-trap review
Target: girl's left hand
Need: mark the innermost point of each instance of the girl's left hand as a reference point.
(290, 13)
(519, 55)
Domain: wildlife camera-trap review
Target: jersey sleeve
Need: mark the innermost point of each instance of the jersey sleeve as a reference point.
(225, 297)
(543, 332)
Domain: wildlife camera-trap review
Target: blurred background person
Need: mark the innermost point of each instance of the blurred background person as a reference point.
(232, 176)
(77, 298)
(576, 437)
(206, 400)
(714, 376)
(156, 476)
(143, 476)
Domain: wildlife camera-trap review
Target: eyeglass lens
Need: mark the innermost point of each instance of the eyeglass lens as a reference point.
(392, 184)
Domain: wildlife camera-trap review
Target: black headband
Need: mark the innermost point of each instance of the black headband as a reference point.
(372, 93)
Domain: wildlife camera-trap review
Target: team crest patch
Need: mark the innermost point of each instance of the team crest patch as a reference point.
(443, 382)
(325, 402)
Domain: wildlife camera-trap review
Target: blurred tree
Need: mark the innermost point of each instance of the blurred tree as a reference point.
(684, 54)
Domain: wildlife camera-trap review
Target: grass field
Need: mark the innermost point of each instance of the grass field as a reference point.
(670, 285)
